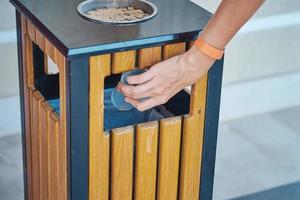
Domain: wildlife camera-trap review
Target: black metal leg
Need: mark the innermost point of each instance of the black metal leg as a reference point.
(211, 130)
(79, 127)
(21, 93)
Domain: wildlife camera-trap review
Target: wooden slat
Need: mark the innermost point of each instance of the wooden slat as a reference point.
(168, 164)
(190, 159)
(32, 129)
(35, 100)
(23, 25)
(50, 50)
(149, 56)
(171, 50)
(122, 163)
(146, 161)
(123, 61)
(198, 96)
(44, 108)
(29, 64)
(31, 30)
(62, 157)
(62, 137)
(98, 141)
(29, 139)
(192, 142)
(53, 174)
(62, 166)
(27, 109)
(40, 39)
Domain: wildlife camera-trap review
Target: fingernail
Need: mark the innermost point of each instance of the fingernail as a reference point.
(126, 100)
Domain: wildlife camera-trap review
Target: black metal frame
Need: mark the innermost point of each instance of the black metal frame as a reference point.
(21, 93)
(78, 121)
(213, 97)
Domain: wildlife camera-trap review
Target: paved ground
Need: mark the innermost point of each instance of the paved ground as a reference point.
(11, 174)
(257, 158)
(258, 153)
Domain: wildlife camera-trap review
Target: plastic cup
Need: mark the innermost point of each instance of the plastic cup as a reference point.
(117, 98)
(154, 115)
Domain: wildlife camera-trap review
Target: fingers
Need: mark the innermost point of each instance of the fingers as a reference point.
(147, 104)
(143, 105)
(132, 101)
(138, 91)
(141, 78)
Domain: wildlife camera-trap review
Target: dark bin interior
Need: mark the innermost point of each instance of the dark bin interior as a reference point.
(114, 118)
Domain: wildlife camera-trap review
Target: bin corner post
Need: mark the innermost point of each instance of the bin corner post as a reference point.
(78, 127)
(211, 130)
(21, 93)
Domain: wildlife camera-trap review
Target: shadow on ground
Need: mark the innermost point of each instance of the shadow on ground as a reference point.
(285, 192)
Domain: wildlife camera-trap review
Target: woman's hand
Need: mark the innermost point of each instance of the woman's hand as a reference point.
(165, 79)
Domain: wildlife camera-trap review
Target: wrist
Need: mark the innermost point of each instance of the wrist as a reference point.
(206, 48)
(194, 60)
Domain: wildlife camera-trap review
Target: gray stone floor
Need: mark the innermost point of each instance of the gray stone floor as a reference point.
(258, 153)
(257, 158)
(11, 174)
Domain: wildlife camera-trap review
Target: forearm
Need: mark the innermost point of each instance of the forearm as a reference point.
(165, 79)
(228, 19)
(230, 16)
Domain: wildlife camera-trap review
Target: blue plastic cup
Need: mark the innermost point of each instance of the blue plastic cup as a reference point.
(117, 98)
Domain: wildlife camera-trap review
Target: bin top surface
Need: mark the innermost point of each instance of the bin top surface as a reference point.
(58, 20)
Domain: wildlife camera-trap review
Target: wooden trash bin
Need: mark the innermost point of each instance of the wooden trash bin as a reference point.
(67, 153)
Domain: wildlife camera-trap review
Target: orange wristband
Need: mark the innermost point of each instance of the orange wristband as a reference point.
(208, 49)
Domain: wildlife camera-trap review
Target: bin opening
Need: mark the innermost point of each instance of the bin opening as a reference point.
(46, 83)
(115, 118)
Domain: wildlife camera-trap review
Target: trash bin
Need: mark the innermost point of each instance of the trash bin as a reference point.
(75, 146)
